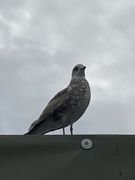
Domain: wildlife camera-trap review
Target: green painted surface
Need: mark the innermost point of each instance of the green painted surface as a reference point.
(59, 157)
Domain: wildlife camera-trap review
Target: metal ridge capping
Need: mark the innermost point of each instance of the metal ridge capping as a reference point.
(67, 157)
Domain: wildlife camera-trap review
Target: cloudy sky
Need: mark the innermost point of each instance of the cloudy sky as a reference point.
(42, 40)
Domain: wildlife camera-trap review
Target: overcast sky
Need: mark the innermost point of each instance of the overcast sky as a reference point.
(42, 40)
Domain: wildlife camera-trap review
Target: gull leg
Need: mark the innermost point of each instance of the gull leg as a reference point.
(63, 130)
(71, 129)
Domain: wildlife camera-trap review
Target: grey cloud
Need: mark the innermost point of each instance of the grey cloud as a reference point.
(41, 41)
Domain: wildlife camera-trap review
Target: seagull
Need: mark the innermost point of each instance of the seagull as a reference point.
(66, 107)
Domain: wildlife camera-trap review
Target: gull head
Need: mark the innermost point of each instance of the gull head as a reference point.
(78, 71)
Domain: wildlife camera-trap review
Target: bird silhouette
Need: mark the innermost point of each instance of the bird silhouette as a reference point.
(66, 107)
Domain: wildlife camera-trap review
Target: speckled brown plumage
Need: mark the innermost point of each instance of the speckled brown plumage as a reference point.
(66, 107)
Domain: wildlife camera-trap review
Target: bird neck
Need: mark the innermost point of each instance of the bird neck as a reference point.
(77, 79)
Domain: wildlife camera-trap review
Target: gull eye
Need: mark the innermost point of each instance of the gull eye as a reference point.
(76, 68)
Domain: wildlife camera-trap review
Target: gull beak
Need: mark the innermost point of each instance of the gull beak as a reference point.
(84, 67)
